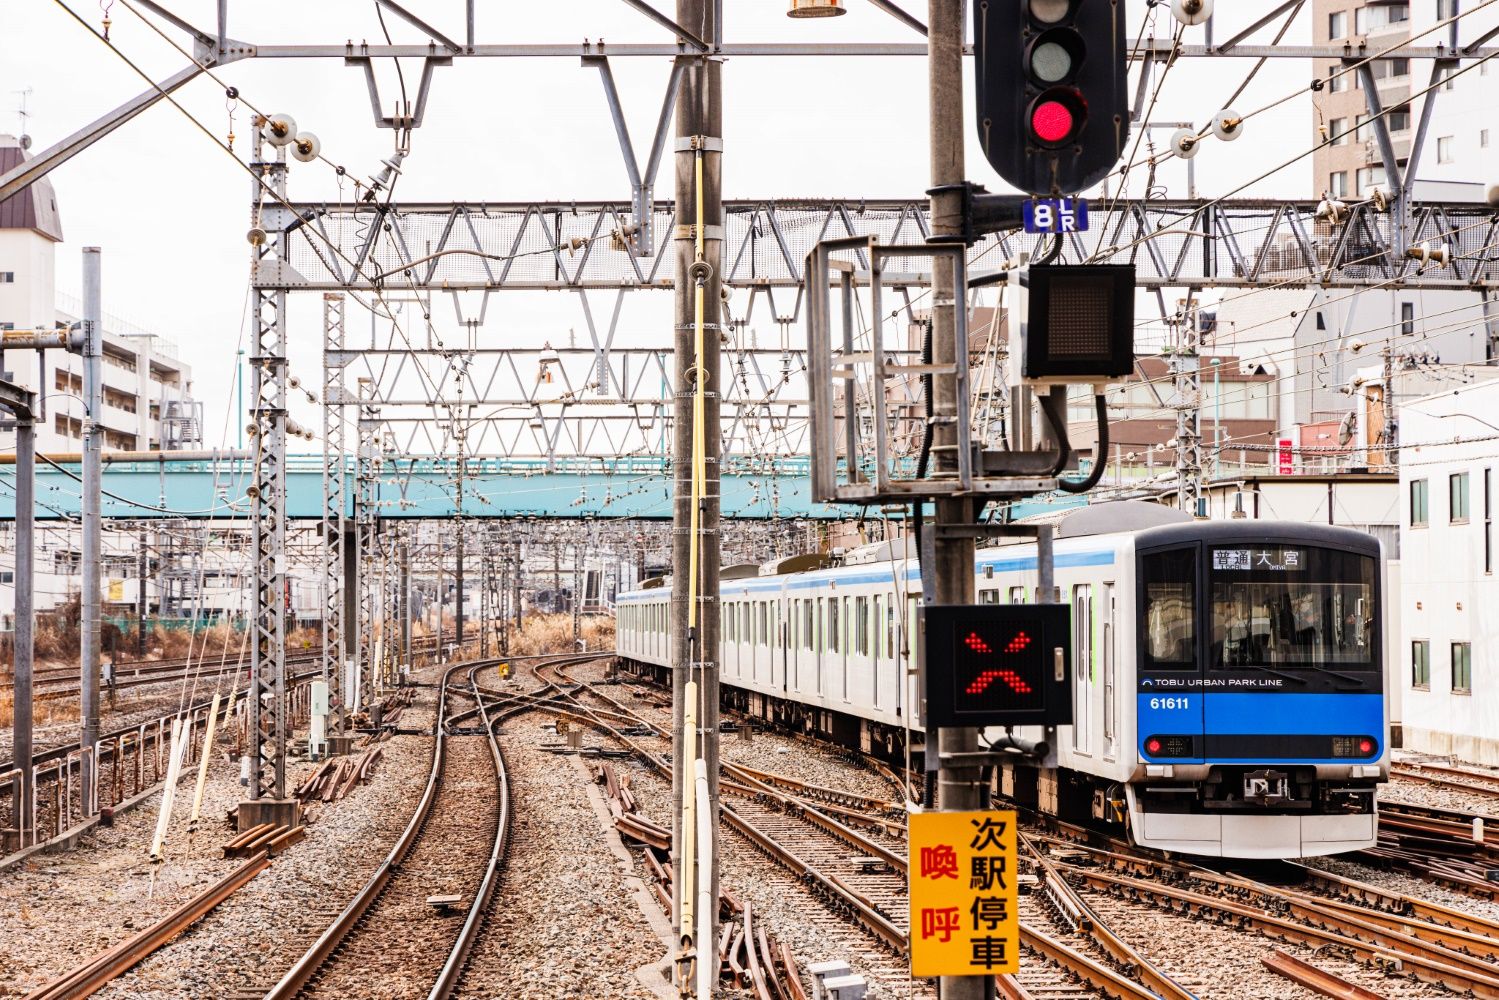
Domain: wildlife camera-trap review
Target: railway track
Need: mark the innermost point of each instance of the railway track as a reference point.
(404, 923)
(786, 819)
(414, 924)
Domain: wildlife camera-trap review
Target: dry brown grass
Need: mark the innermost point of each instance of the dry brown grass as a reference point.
(45, 712)
(554, 634)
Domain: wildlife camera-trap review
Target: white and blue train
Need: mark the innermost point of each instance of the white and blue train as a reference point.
(1228, 682)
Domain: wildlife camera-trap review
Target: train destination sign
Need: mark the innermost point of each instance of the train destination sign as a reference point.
(997, 664)
(964, 920)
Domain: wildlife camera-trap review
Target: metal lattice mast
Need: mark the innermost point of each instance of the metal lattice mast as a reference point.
(267, 705)
(364, 522)
(334, 502)
(1187, 399)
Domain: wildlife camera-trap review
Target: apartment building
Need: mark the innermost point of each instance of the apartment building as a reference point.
(1351, 166)
(148, 401)
(1447, 651)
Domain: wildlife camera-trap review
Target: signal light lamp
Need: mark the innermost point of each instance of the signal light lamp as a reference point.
(1052, 121)
(816, 8)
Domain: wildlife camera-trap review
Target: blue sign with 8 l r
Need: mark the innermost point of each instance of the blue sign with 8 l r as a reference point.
(1056, 215)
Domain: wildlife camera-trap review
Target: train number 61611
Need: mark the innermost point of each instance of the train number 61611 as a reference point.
(1169, 703)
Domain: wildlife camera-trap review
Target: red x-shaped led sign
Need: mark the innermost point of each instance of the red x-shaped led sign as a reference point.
(1011, 679)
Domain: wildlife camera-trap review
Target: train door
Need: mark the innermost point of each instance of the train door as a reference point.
(1168, 690)
(783, 644)
(1082, 667)
(1108, 655)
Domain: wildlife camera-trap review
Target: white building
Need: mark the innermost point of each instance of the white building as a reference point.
(148, 406)
(1449, 642)
(148, 402)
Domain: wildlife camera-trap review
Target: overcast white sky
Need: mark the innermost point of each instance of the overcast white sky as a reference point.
(170, 210)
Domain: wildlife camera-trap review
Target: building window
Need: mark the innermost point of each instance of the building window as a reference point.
(7, 576)
(7, 277)
(1337, 24)
(1337, 184)
(1418, 503)
(1488, 521)
(1446, 9)
(1444, 149)
(1483, 138)
(1337, 131)
(1337, 81)
(1421, 664)
(1407, 319)
(1370, 178)
(1462, 668)
(1457, 498)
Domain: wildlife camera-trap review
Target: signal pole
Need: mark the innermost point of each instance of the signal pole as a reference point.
(958, 788)
(698, 249)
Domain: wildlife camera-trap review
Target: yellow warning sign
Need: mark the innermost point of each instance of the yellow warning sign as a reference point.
(964, 920)
(116, 591)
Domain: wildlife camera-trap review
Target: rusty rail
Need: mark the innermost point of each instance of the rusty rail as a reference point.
(109, 965)
(1315, 979)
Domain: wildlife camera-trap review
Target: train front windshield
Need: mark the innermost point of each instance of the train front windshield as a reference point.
(1291, 606)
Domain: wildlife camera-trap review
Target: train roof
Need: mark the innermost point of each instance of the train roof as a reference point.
(1263, 532)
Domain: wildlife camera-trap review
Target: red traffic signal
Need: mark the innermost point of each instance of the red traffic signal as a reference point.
(1052, 103)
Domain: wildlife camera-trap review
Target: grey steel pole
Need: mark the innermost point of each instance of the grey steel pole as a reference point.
(698, 151)
(458, 579)
(25, 624)
(93, 432)
(958, 788)
(405, 586)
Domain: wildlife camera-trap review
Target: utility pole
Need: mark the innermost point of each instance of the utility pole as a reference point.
(958, 788)
(335, 535)
(21, 714)
(405, 596)
(93, 441)
(458, 569)
(1187, 376)
(698, 246)
(142, 561)
(577, 595)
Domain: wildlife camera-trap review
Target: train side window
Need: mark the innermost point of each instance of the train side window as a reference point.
(861, 626)
(832, 624)
(1169, 580)
(762, 636)
(889, 625)
(729, 631)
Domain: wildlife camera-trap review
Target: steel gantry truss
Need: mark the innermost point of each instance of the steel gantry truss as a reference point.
(477, 246)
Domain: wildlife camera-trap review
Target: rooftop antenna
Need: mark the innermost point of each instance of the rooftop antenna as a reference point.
(23, 114)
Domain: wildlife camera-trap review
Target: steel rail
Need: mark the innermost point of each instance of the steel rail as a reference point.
(1095, 974)
(114, 962)
(1315, 979)
(447, 977)
(1089, 923)
(1466, 975)
(302, 971)
(1446, 777)
(1460, 944)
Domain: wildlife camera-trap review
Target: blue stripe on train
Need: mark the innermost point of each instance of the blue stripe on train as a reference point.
(1063, 560)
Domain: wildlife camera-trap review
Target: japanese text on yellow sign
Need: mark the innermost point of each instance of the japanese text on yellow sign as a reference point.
(964, 920)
